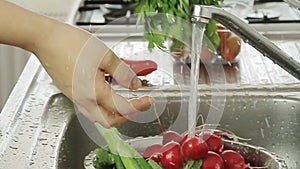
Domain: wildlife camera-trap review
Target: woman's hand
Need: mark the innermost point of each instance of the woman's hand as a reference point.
(76, 61)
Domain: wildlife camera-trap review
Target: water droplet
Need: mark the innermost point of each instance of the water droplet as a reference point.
(13, 147)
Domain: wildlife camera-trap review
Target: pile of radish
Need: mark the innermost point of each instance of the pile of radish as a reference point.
(176, 151)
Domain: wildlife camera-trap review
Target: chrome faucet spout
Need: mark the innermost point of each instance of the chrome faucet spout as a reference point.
(201, 13)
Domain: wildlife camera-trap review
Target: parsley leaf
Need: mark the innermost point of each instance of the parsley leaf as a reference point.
(165, 19)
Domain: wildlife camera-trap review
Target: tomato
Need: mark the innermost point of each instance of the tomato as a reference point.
(223, 33)
(230, 44)
(231, 48)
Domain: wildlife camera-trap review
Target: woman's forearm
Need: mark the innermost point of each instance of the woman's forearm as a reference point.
(19, 27)
(30, 31)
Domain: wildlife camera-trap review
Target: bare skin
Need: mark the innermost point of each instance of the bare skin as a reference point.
(76, 61)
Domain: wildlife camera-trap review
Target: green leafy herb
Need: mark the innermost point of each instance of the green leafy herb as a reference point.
(193, 164)
(103, 158)
(154, 165)
(125, 157)
(165, 19)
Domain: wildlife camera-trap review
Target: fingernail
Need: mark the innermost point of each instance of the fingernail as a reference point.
(136, 83)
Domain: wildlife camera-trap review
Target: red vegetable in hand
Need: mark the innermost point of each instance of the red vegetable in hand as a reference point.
(212, 161)
(141, 68)
(171, 156)
(194, 148)
(213, 141)
(233, 160)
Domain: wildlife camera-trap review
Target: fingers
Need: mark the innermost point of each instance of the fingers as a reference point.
(108, 118)
(114, 108)
(110, 100)
(98, 114)
(112, 119)
(121, 72)
(142, 103)
(105, 95)
(100, 103)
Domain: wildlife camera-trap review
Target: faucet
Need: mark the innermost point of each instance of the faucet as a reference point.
(202, 14)
(294, 3)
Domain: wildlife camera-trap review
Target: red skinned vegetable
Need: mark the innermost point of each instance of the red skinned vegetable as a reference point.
(171, 136)
(194, 148)
(213, 141)
(171, 156)
(184, 138)
(152, 149)
(212, 161)
(141, 67)
(234, 160)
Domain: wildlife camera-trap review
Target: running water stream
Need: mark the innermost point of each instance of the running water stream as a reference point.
(197, 37)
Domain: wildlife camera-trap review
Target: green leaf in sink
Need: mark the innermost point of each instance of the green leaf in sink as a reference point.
(193, 164)
(125, 156)
(103, 159)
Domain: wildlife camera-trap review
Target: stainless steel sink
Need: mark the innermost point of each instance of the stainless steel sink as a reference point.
(39, 128)
(268, 116)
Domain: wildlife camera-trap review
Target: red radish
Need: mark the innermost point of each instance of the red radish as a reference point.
(156, 157)
(141, 67)
(171, 156)
(194, 148)
(171, 136)
(184, 138)
(152, 149)
(233, 160)
(213, 141)
(212, 161)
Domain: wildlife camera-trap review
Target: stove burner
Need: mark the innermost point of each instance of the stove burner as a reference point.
(263, 15)
(99, 12)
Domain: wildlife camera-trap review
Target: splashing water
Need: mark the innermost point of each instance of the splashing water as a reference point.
(197, 37)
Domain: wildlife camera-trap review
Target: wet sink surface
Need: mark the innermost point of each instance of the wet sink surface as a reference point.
(271, 121)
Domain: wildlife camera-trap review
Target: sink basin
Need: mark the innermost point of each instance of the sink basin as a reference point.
(268, 116)
(38, 125)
